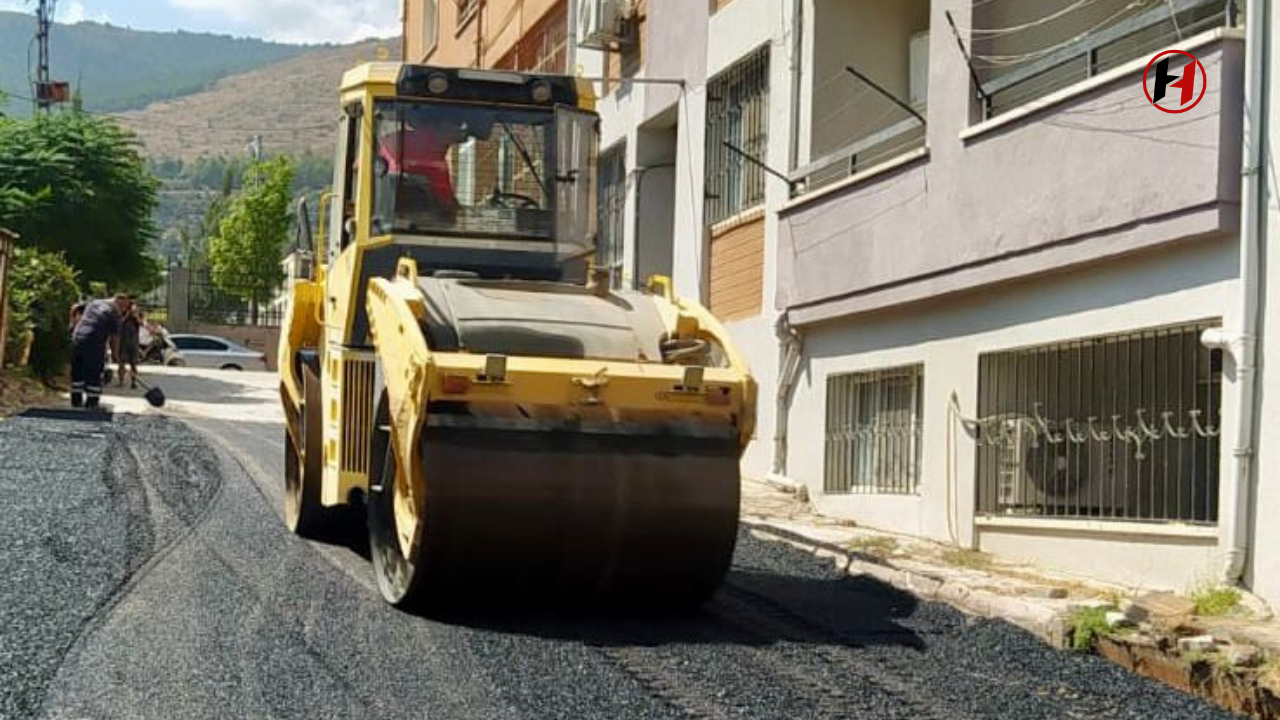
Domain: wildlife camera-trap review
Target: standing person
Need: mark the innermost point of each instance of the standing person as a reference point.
(130, 345)
(99, 325)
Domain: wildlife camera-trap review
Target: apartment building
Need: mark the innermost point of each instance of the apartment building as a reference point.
(992, 294)
(522, 35)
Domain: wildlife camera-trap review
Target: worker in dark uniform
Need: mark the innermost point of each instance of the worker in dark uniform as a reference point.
(99, 325)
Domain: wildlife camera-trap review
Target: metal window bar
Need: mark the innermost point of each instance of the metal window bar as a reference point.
(1132, 36)
(612, 209)
(737, 113)
(1117, 427)
(873, 432)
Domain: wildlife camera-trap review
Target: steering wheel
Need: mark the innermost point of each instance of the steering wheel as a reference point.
(513, 201)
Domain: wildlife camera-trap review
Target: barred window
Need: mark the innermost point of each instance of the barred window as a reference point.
(873, 431)
(1117, 427)
(612, 207)
(737, 114)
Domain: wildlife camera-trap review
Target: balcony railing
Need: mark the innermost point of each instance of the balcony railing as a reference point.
(865, 152)
(1009, 83)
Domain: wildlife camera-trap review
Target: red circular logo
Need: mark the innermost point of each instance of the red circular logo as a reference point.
(1186, 83)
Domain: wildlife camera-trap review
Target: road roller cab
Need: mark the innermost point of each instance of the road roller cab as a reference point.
(458, 365)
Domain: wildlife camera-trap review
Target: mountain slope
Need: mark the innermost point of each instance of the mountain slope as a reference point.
(119, 68)
(292, 105)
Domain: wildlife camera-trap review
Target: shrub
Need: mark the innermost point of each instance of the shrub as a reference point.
(42, 288)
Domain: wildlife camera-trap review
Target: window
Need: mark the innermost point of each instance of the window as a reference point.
(613, 204)
(853, 125)
(460, 169)
(199, 343)
(430, 25)
(544, 48)
(873, 432)
(1023, 50)
(737, 116)
(1119, 427)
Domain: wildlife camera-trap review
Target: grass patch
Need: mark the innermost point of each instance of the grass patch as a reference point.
(875, 546)
(1086, 626)
(972, 559)
(1215, 600)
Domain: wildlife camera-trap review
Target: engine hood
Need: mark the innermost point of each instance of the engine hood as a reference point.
(540, 319)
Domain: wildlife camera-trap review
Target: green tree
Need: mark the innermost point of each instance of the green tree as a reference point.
(244, 256)
(42, 289)
(98, 194)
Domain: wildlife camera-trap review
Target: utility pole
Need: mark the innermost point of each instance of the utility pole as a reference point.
(47, 92)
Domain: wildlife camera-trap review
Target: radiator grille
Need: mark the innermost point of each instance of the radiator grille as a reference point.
(357, 403)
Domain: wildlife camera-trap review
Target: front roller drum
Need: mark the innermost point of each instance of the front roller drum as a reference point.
(647, 515)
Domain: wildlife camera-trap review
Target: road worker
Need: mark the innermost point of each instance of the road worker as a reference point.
(99, 325)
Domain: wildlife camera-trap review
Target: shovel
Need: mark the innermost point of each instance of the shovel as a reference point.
(154, 395)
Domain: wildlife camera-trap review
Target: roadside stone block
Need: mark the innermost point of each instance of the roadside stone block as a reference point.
(1196, 643)
(1116, 618)
(1165, 608)
(1243, 655)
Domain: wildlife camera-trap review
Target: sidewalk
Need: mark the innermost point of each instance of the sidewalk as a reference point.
(1232, 659)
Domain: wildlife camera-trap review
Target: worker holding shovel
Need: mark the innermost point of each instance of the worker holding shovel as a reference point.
(98, 325)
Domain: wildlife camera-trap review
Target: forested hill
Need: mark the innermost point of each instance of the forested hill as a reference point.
(119, 69)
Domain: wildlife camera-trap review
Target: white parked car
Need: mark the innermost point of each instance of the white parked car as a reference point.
(210, 351)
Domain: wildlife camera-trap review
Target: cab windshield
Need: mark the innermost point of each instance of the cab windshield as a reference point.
(484, 172)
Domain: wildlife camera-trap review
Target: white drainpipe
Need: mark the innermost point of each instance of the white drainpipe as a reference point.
(790, 341)
(1238, 471)
(791, 347)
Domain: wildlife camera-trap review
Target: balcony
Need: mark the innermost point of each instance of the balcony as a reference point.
(1076, 175)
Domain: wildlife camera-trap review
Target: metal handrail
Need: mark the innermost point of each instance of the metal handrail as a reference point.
(853, 149)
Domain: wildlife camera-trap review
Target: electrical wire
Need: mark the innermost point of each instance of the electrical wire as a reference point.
(1014, 29)
(1016, 59)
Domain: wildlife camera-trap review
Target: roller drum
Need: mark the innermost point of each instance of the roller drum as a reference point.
(592, 512)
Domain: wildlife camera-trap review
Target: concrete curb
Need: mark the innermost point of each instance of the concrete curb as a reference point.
(1047, 622)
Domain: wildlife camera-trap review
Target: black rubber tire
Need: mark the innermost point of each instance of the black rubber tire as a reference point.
(400, 579)
(236, 368)
(304, 515)
(176, 362)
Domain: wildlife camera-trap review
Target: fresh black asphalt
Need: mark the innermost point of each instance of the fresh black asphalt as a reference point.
(147, 575)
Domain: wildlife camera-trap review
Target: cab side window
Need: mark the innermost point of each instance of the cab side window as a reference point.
(346, 182)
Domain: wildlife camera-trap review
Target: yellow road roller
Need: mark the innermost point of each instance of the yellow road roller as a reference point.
(510, 418)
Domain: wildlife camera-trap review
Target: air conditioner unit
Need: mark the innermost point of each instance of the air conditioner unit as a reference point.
(602, 23)
(1037, 477)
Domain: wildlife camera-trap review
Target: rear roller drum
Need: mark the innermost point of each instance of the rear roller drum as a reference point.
(303, 512)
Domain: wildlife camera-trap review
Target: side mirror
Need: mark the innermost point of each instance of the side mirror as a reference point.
(304, 240)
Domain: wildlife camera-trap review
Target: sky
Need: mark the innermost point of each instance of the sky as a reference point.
(294, 21)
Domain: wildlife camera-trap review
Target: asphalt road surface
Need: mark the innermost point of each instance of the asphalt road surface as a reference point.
(148, 575)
